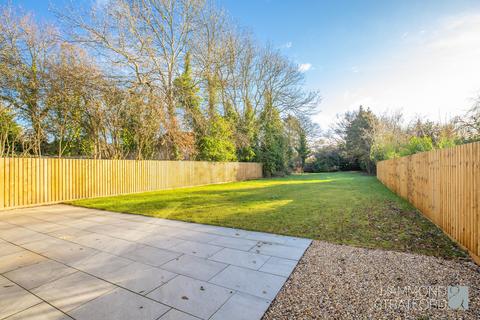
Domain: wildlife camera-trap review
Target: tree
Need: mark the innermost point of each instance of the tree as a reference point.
(10, 132)
(188, 98)
(302, 149)
(272, 146)
(217, 142)
(388, 137)
(144, 42)
(25, 50)
(355, 130)
(70, 76)
(151, 79)
(416, 145)
(469, 124)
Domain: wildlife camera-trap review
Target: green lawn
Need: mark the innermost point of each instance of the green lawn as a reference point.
(348, 208)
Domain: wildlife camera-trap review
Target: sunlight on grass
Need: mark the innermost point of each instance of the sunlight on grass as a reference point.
(347, 207)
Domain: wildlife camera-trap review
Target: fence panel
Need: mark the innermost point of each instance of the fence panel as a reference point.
(34, 181)
(445, 186)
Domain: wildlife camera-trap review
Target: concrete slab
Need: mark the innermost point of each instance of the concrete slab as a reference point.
(150, 255)
(8, 248)
(72, 291)
(279, 266)
(120, 304)
(69, 253)
(14, 299)
(240, 258)
(101, 264)
(242, 307)
(196, 236)
(234, 243)
(105, 243)
(44, 245)
(18, 260)
(20, 235)
(177, 315)
(194, 267)
(259, 284)
(44, 226)
(68, 233)
(139, 277)
(161, 241)
(136, 267)
(38, 274)
(277, 250)
(198, 298)
(42, 311)
(201, 250)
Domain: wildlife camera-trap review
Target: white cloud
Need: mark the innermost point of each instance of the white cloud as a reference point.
(287, 45)
(304, 67)
(434, 73)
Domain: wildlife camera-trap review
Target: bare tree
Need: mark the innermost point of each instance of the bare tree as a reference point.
(25, 50)
(144, 40)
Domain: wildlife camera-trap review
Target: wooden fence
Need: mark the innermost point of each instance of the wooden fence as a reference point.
(445, 186)
(34, 181)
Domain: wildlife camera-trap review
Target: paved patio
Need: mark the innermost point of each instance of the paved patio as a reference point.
(64, 262)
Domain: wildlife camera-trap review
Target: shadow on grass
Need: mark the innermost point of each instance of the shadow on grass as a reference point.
(346, 208)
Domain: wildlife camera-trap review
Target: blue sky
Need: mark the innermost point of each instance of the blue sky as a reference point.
(422, 57)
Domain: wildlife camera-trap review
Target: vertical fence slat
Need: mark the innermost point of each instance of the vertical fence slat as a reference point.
(32, 181)
(444, 186)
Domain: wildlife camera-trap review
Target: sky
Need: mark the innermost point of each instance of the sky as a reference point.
(420, 57)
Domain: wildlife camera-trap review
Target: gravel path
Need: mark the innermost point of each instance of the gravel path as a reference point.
(341, 282)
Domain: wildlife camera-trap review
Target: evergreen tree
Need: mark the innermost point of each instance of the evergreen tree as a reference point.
(302, 149)
(217, 142)
(358, 138)
(247, 133)
(272, 148)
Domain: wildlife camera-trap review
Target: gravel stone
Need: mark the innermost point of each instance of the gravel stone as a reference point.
(342, 282)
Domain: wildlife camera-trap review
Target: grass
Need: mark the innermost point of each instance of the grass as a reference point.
(346, 207)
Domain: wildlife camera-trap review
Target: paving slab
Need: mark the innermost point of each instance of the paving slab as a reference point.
(240, 258)
(201, 250)
(120, 304)
(177, 315)
(278, 250)
(8, 248)
(298, 242)
(79, 223)
(150, 255)
(62, 261)
(44, 245)
(18, 260)
(69, 253)
(101, 264)
(14, 299)
(234, 243)
(20, 235)
(260, 284)
(43, 226)
(69, 292)
(161, 241)
(38, 274)
(279, 266)
(242, 307)
(105, 243)
(68, 233)
(198, 268)
(198, 298)
(42, 311)
(196, 236)
(139, 277)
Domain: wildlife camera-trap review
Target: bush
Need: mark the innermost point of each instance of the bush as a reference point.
(416, 145)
